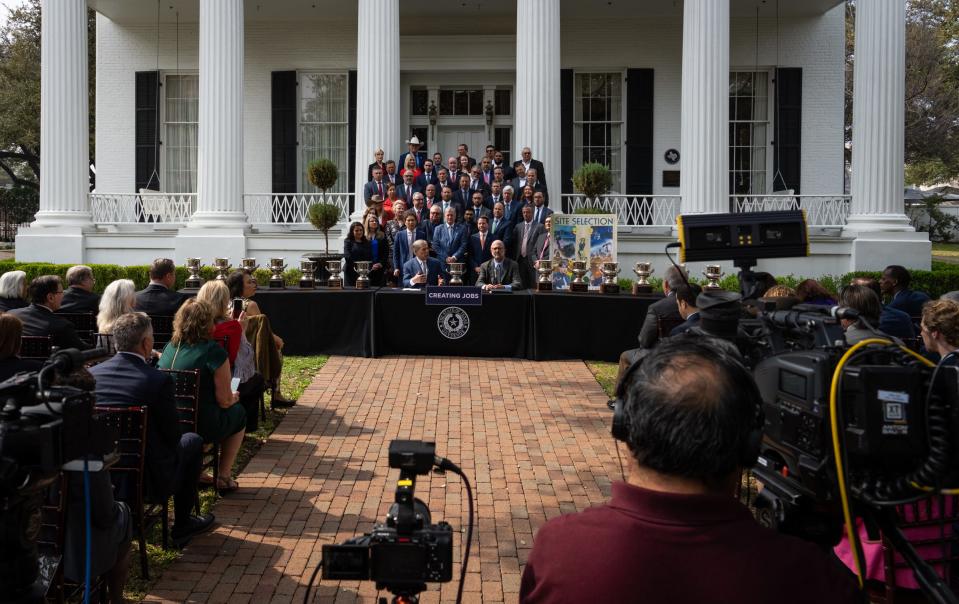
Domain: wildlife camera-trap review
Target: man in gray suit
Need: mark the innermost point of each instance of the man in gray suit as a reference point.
(523, 240)
(377, 186)
(499, 273)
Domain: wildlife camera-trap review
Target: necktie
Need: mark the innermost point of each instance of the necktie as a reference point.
(423, 270)
(498, 271)
(380, 186)
(495, 224)
(482, 240)
(545, 247)
(536, 219)
(525, 237)
(411, 236)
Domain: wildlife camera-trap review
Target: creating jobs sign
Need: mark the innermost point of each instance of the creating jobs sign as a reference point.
(587, 237)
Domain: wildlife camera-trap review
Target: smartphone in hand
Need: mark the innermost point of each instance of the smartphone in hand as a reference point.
(237, 307)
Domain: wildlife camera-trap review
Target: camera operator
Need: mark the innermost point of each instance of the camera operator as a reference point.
(865, 301)
(674, 531)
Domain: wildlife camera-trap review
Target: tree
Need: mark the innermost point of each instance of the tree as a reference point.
(20, 92)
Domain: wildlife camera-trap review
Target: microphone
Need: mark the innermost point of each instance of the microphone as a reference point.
(446, 465)
(65, 361)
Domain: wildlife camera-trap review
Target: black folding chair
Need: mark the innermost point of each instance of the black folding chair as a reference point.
(36, 347)
(85, 324)
(186, 391)
(162, 330)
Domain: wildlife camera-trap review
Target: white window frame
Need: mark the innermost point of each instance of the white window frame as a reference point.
(769, 124)
(579, 123)
(163, 126)
(303, 185)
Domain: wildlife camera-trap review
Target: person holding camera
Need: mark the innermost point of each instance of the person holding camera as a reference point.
(689, 412)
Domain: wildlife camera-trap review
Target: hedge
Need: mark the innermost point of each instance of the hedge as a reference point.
(943, 278)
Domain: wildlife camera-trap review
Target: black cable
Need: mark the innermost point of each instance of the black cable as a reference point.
(622, 472)
(469, 528)
(309, 586)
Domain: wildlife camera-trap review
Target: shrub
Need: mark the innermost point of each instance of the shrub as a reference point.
(592, 180)
(324, 217)
(322, 174)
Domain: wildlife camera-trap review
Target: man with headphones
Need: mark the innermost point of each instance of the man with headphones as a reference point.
(691, 417)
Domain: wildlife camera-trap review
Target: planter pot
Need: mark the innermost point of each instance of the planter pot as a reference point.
(322, 275)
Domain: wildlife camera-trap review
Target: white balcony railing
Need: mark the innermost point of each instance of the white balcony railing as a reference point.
(291, 208)
(140, 208)
(631, 210)
(821, 210)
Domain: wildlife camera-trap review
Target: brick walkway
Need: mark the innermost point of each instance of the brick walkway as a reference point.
(532, 437)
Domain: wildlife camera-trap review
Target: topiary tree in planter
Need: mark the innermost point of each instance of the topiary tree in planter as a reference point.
(324, 216)
(322, 174)
(592, 180)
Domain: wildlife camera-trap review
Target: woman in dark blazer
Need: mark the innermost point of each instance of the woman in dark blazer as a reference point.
(378, 163)
(356, 247)
(380, 251)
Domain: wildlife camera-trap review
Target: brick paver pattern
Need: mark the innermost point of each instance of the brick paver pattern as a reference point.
(532, 436)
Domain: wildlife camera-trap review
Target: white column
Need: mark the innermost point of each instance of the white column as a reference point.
(878, 117)
(704, 129)
(220, 140)
(377, 86)
(64, 115)
(537, 119)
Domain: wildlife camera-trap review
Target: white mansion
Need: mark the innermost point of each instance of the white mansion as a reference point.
(217, 106)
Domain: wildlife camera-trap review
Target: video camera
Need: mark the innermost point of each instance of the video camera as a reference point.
(43, 428)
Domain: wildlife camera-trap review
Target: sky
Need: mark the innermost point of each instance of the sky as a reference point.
(6, 5)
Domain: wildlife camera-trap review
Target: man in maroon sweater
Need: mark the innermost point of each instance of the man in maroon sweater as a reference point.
(673, 532)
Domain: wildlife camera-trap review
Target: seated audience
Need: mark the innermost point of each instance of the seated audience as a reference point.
(356, 248)
(894, 283)
(499, 272)
(865, 301)
(686, 303)
(173, 459)
(158, 298)
(220, 419)
(267, 346)
(11, 329)
(782, 296)
(79, 296)
(674, 531)
(891, 321)
(119, 298)
(13, 290)
(422, 270)
(39, 319)
(811, 291)
(662, 309)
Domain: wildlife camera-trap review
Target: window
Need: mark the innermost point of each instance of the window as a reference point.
(598, 122)
(748, 127)
(461, 102)
(504, 103)
(324, 125)
(502, 140)
(180, 117)
(419, 101)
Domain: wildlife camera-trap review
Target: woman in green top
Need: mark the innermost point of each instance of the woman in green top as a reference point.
(219, 418)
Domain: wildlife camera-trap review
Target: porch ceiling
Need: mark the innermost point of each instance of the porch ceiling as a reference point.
(145, 11)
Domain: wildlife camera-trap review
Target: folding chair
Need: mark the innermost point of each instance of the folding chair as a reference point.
(162, 330)
(85, 324)
(36, 347)
(186, 391)
(665, 325)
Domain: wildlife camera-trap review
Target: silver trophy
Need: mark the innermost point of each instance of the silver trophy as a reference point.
(277, 266)
(194, 281)
(307, 281)
(713, 274)
(610, 272)
(456, 273)
(335, 281)
(363, 274)
(545, 271)
(579, 283)
(643, 270)
(249, 265)
(222, 266)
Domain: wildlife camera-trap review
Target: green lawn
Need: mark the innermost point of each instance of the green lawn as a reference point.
(298, 372)
(605, 374)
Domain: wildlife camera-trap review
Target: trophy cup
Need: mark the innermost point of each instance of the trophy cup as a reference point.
(579, 284)
(222, 266)
(545, 281)
(276, 273)
(456, 273)
(609, 284)
(363, 274)
(643, 270)
(307, 281)
(194, 281)
(713, 274)
(249, 265)
(335, 281)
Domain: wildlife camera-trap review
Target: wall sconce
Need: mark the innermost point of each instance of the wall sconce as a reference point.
(489, 118)
(432, 113)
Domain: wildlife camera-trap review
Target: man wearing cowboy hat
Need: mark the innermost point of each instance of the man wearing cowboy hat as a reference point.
(414, 145)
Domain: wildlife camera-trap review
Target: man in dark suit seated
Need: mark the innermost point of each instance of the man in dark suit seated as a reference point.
(422, 270)
(449, 240)
(158, 298)
(172, 460)
(686, 303)
(79, 296)
(895, 284)
(499, 272)
(894, 322)
(46, 294)
(479, 250)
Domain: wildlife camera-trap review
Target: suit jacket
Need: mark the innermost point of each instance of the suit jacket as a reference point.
(482, 211)
(421, 214)
(370, 189)
(369, 171)
(517, 239)
(511, 274)
(454, 177)
(41, 321)
(460, 208)
(401, 246)
(434, 270)
(517, 187)
(909, 302)
(76, 300)
(464, 197)
(12, 303)
(665, 308)
(513, 212)
(690, 322)
(896, 323)
(447, 243)
(479, 185)
(503, 231)
(535, 164)
(392, 178)
(541, 247)
(508, 172)
(544, 212)
(452, 184)
(422, 180)
(158, 300)
(541, 187)
(405, 195)
(125, 380)
(478, 254)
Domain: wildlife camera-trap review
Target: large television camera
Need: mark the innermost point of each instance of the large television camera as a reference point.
(44, 428)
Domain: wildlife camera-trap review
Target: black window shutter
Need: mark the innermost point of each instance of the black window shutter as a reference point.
(283, 97)
(352, 131)
(566, 131)
(147, 134)
(787, 149)
(639, 131)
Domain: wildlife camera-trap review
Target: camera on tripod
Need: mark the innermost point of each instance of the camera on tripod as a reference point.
(408, 550)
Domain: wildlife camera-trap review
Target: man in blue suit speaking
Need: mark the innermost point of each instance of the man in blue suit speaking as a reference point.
(422, 270)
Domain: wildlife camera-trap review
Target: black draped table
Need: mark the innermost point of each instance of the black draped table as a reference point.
(404, 324)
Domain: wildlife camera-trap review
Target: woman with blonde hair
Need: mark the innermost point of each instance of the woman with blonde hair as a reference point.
(13, 290)
(118, 299)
